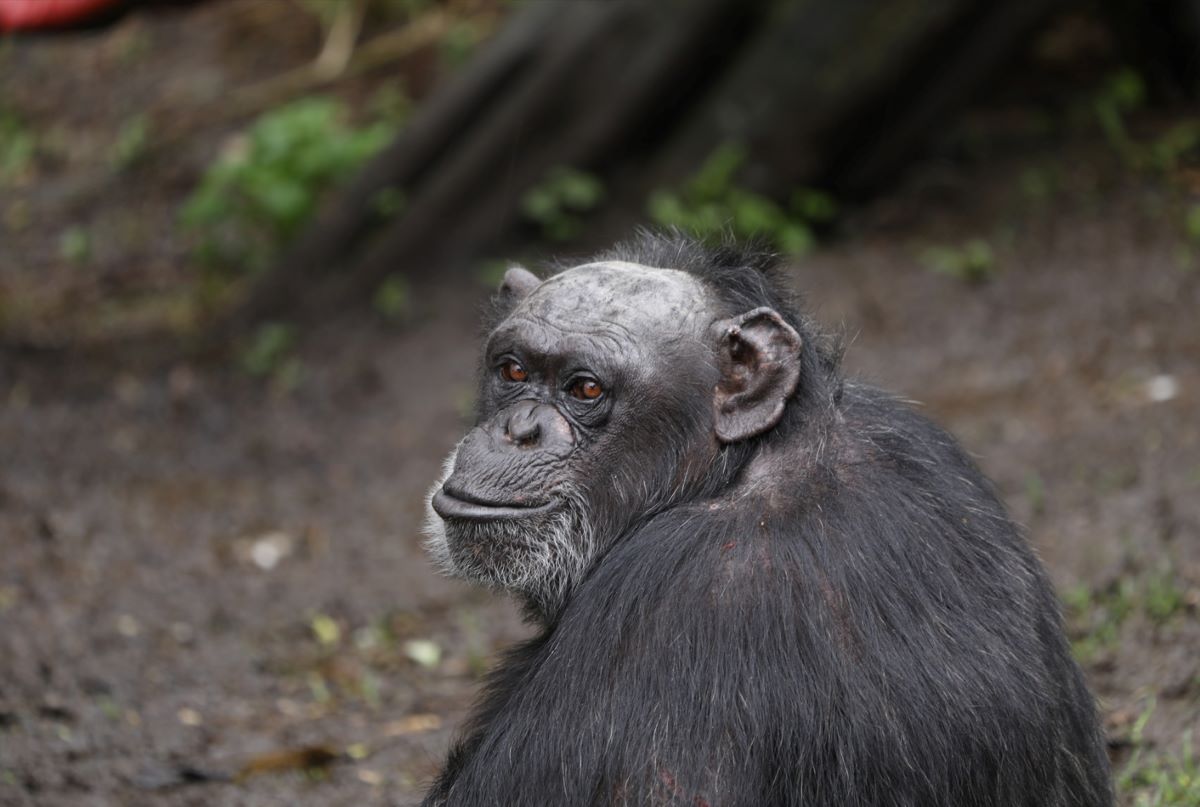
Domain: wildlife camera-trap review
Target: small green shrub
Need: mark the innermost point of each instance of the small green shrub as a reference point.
(711, 204)
(264, 187)
(558, 203)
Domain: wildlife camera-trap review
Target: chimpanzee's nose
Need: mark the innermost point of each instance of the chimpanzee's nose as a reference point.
(523, 427)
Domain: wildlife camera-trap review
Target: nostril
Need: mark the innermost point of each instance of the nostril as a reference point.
(523, 429)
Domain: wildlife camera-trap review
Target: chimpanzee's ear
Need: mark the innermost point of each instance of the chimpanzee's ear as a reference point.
(759, 358)
(517, 284)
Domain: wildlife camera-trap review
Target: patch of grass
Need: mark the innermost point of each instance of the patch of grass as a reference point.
(557, 203)
(1035, 491)
(1160, 779)
(711, 204)
(1163, 596)
(267, 182)
(17, 148)
(1192, 224)
(75, 245)
(131, 142)
(1095, 617)
(972, 262)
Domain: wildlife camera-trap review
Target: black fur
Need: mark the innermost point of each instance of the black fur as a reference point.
(841, 614)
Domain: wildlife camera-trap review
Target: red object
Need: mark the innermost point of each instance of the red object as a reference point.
(17, 15)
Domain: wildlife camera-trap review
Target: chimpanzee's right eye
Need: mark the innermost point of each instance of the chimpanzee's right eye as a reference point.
(513, 371)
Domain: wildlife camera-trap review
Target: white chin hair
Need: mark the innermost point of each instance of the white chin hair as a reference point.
(434, 528)
(548, 558)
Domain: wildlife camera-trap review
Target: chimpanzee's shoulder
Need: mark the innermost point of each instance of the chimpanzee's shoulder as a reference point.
(882, 433)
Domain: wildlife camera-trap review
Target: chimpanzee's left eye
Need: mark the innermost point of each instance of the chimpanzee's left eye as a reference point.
(586, 389)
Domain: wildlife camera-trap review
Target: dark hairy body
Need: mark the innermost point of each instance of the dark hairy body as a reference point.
(803, 593)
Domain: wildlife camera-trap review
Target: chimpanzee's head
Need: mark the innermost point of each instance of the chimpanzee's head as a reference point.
(609, 391)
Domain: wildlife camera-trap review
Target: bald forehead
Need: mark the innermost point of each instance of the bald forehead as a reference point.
(629, 295)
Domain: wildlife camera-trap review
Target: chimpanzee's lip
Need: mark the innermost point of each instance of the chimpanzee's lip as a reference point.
(454, 502)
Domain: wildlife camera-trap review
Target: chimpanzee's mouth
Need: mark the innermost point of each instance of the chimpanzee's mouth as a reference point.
(453, 501)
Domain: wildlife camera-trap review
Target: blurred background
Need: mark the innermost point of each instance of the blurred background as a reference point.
(243, 244)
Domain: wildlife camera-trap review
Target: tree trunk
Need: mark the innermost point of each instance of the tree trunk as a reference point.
(836, 94)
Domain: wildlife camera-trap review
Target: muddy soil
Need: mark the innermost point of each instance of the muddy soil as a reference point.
(212, 589)
(153, 646)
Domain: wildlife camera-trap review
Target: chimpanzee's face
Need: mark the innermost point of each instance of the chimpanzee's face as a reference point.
(606, 394)
(587, 387)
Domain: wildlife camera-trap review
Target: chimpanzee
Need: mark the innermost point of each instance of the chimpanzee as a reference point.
(756, 582)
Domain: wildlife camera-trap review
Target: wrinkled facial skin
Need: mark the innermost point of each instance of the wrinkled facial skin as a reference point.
(553, 472)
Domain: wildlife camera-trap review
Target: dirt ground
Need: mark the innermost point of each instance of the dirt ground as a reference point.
(212, 590)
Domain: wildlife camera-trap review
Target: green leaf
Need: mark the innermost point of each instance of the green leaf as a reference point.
(393, 299)
(268, 348)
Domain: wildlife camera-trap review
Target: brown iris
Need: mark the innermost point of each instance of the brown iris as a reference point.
(513, 371)
(586, 389)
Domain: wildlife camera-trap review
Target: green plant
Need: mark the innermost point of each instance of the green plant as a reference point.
(17, 147)
(75, 245)
(1035, 491)
(1163, 596)
(268, 182)
(269, 354)
(388, 203)
(391, 104)
(1122, 93)
(1192, 223)
(1162, 779)
(1039, 183)
(460, 41)
(131, 143)
(393, 299)
(972, 261)
(1095, 618)
(1180, 142)
(403, 9)
(558, 202)
(710, 204)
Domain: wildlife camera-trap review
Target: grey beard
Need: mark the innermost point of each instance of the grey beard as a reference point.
(541, 559)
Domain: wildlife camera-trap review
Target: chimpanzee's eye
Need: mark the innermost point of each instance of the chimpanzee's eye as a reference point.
(586, 389)
(513, 371)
